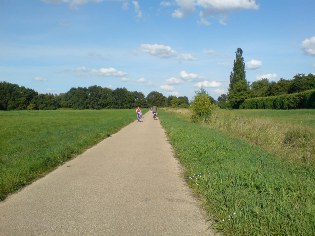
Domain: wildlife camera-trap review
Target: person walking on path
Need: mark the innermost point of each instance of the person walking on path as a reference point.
(139, 114)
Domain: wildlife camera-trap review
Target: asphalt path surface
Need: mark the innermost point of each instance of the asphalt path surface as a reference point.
(128, 184)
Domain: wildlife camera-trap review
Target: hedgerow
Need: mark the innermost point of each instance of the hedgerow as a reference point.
(287, 101)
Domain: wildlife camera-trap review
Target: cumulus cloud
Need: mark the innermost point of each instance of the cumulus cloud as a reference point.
(106, 72)
(189, 76)
(158, 50)
(186, 57)
(208, 84)
(137, 8)
(219, 91)
(174, 93)
(109, 72)
(309, 45)
(141, 80)
(167, 87)
(73, 3)
(203, 18)
(270, 77)
(165, 51)
(253, 64)
(174, 80)
(226, 5)
(39, 78)
(210, 52)
(144, 81)
(185, 7)
(209, 8)
(124, 79)
(166, 3)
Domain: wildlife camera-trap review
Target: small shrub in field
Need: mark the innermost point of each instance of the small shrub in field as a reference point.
(201, 108)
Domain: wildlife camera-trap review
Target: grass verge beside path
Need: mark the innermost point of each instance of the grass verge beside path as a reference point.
(245, 190)
(34, 142)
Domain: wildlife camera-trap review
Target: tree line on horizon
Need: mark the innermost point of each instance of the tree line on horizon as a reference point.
(15, 97)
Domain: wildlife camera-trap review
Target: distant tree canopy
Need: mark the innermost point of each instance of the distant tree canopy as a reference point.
(15, 97)
(299, 83)
(238, 88)
(265, 88)
(156, 99)
(173, 101)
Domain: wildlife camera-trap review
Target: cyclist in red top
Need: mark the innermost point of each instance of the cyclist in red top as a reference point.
(139, 114)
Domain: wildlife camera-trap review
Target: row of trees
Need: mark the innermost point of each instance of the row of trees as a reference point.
(15, 97)
(240, 89)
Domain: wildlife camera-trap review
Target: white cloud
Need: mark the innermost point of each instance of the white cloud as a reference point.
(137, 8)
(141, 80)
(174, 80)
(124, 79)
(144, 81)
(174, 93)
(178, 14)
(39, 78)
(219, 91)
(185, 7)
(203, 19)
(226, 5)
(208, 84)
(223, 20)
(253, 64)
(158, 50)
(186, 57)
(165, 51)
(80, 70)
(107, 72)
(125, 4)
(210, 52)
(166, 4)
(73, 3)
(270, 77)
(167, 87)
(309, 45)
(189, 76)
(212, 8)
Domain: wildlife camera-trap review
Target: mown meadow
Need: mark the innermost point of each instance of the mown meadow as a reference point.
(35, 142)
(247, 188)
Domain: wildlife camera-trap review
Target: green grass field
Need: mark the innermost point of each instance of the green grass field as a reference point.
(34, 142)
(245, 189)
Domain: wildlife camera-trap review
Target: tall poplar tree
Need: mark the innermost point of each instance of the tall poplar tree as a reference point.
(239, 88)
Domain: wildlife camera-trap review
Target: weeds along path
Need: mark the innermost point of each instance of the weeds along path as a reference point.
(128, 184)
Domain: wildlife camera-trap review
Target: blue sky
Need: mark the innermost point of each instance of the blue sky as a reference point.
(171, 46)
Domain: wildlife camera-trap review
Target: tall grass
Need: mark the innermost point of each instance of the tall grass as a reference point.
(245, 190)
(34, 142)
(287, 134)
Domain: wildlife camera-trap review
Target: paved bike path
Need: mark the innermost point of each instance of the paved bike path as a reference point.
(128, 184)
